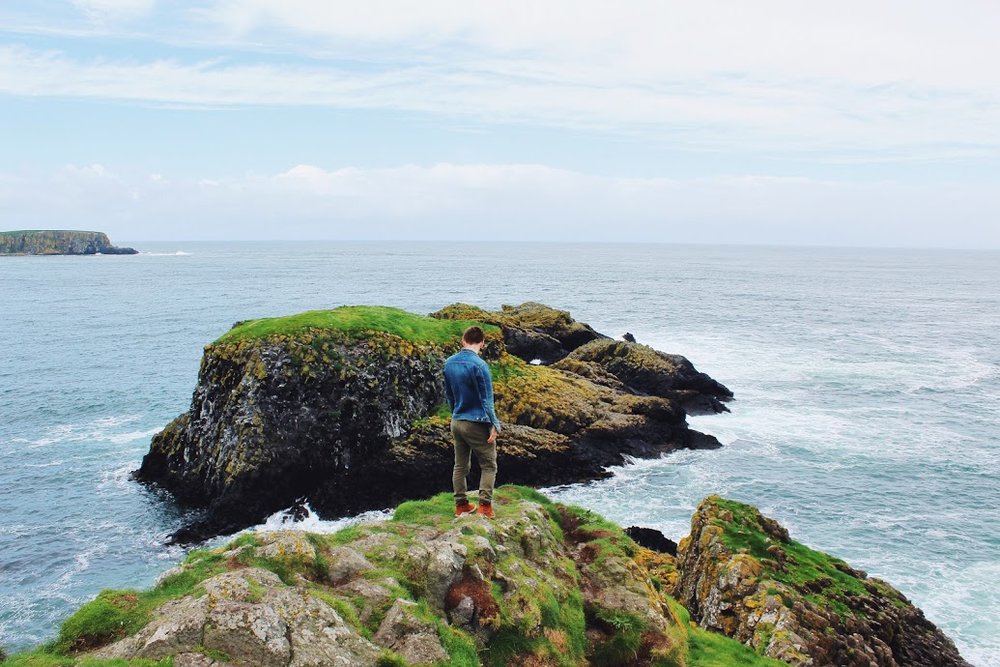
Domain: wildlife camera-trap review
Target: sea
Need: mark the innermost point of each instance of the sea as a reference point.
(866, 417)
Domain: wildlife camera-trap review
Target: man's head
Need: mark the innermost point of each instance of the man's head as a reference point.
(473, 338)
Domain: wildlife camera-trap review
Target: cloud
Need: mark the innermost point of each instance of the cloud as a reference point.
(850, 81)
(103, 10)
(716, 112)
(503, 202)
(892, 41)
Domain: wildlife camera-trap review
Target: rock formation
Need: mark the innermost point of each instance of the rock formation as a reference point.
(346, 408)
(59, 242)
(541, 585)
(741, 574)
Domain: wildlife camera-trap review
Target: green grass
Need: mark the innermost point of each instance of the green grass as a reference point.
(355, 320)
(459, 646)
(389, 658)
(432, 512)
(709, 649)
(802, 565)
(41, 658)
(346, 535)
(625, 642)
(118, 613)
(507, 368)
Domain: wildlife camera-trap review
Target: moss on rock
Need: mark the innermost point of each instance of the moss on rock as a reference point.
(742, 575)
(542, 584)
(357, 321)
(285, 407)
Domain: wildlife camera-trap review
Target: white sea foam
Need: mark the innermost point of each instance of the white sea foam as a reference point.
(47, 464)
(117, 478)
(179, 253)
(131, 436)
(284, 520)
(104, 429)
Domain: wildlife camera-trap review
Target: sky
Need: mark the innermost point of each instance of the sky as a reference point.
(792, 122)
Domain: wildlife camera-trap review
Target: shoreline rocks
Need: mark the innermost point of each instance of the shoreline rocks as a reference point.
(741, 574)
(543, 584)
(345, 408)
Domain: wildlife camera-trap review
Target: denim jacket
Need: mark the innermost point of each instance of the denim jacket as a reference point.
(468, 386)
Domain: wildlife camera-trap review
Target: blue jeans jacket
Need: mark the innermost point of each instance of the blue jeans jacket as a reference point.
(468, 386)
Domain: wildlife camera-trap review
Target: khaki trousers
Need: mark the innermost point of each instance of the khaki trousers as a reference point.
(472, 437)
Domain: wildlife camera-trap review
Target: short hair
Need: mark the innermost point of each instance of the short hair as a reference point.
(473, 336)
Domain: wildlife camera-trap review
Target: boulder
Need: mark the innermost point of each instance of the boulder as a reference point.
(741, 574)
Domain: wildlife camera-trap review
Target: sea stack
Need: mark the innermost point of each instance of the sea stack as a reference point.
(59, 242)
(346, 408)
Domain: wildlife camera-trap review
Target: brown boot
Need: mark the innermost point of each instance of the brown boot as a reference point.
(464, 508)
(486, 510)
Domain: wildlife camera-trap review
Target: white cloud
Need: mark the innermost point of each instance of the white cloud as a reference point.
(853, 80)
(715, 112)
(505, 202)
(101, 10)
(883, 42)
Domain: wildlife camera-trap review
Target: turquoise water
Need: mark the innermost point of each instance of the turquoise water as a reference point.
(866, 418)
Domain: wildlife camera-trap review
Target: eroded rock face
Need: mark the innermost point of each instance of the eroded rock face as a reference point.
(742, 575)
(352, 422)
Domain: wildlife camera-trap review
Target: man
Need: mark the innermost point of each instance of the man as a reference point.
(468, 386)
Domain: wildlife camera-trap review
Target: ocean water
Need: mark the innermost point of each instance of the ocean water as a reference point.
(866, 419)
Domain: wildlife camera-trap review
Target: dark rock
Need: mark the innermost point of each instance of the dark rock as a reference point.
(531, 331)
(645, 370)
(652, 539)
(628, 338)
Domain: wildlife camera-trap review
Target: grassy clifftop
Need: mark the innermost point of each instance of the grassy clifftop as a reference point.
(356, 320)
(543, 585)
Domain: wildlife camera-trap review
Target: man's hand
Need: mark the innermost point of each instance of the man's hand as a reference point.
(493, 435)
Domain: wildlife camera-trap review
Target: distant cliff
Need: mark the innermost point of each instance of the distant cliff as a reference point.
(59, 242)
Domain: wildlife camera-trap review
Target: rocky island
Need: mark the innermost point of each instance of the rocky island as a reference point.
(542, 585)
(59, 242)
(345, 409)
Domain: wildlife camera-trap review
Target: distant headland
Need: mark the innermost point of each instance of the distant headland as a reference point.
(59, 242)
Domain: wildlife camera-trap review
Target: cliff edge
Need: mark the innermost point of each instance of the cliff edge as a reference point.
(345, 408)
(542, 585)
(741, 574)
(59, 242)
